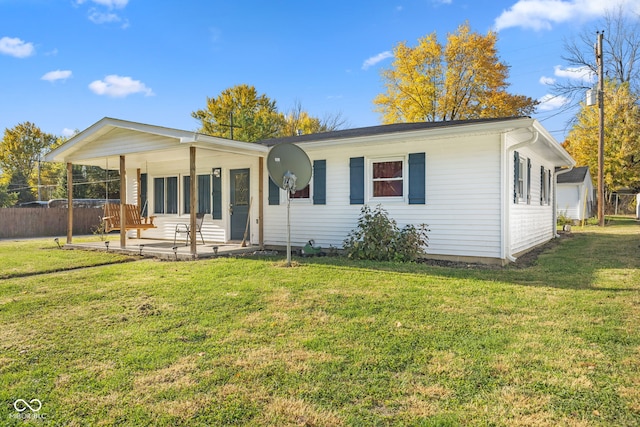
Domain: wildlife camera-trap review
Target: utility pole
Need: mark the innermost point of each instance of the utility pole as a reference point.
(39, 180)
(231, 125)
(600, 63)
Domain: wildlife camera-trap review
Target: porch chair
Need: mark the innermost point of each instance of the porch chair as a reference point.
(185, 228)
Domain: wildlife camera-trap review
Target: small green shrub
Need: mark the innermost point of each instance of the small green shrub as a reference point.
(378, 238)
(593, 221)
(563, 219)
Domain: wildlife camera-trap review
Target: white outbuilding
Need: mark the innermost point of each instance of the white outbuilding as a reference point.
(576, 195)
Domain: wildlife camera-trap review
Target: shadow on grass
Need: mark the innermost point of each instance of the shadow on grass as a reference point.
(59, 269)
(593, 258)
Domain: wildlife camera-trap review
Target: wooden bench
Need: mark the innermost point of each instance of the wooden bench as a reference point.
(134, 221)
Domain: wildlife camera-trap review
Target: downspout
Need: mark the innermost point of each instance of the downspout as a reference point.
(555, 198)
(508, 200)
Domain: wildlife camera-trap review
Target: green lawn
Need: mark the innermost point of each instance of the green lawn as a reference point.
(328, 342)
(28, 257)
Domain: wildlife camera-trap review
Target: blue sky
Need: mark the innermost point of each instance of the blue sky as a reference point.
(65, 64)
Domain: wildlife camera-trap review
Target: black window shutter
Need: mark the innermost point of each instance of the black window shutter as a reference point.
(528, 181)
(186, 185)
(204, 194)
(216, 193)
(158, 195)
(144, 209)
(319, 182)
(416, 178)
(516, 175)
(274, 193)
(542, 195)
(549, 187)
(356, 180)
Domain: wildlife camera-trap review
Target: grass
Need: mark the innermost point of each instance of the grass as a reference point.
(39, 256)
(329, 342)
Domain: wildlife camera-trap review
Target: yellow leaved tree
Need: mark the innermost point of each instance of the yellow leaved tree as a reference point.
(21, 149)
(621, 139)
(240, 113)
(463, 79)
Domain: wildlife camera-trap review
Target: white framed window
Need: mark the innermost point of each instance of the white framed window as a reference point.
(522, 179)
(203, 194)
(545, 186)
(387, 178)
(165, 195)
(302, 193)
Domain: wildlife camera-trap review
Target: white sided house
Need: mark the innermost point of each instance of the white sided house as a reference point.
(485, 188)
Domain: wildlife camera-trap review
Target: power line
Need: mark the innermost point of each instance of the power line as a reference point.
(29, 187)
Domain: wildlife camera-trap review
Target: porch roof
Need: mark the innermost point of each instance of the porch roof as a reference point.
(102, 143)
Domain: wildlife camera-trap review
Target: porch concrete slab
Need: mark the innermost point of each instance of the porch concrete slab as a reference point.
(165, 249)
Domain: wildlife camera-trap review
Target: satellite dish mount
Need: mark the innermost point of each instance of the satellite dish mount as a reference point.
(290, 168)
(289, 182)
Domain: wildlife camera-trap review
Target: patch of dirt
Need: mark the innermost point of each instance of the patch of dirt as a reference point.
(523, 261)
(458, 264)
(529, 258)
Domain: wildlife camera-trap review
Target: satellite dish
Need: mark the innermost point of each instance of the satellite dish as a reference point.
(289, 167)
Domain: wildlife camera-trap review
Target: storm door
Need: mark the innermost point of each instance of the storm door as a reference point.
(239, 203)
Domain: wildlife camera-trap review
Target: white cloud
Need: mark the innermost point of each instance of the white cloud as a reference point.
(107, 18)
(103, 18)
(118, 4)
(547, 81)
(552, 102)
(111, 4)
(53, 76)
(103, 12)
(119, 87)
(16, 47)
(543, 14)
(377, 58)
(575, 73)
(68, 132)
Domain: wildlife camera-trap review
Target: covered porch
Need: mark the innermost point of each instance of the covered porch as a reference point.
(171, 175)
(165, 249)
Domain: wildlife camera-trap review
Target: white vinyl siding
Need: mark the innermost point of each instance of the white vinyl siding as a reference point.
(120, 141)
(531, 223)
(462, 187)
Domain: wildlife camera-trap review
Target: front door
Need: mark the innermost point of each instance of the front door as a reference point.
(239, 203)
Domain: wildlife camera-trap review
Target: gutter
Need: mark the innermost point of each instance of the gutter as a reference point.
(506, 241)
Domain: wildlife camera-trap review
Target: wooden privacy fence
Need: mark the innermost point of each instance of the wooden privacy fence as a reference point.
(42, 222)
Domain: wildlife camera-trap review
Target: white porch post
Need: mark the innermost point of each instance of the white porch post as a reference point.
(192, 199)
(261, 202)
(123, 201)
(138, 197)
(69, 202)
